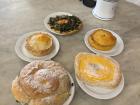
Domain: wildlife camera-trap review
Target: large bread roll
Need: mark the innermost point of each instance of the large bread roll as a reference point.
(42, 83)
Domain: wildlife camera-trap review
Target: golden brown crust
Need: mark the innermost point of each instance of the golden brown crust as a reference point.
(102, 40)
(42, 83)
(57, 99)
(107, 83)
(97, 46)
(39, 52)
(18, 92)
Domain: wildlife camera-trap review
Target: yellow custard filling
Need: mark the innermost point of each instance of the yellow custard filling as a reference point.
(40, 41)
(96, 68)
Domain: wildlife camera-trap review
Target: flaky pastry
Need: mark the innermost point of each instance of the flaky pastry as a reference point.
(42, 83)
(39, 44)
(102, 40)
(97, 70)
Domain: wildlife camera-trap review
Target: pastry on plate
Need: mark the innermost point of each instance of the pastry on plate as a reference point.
(42, 83)
(39, 44)
(102, 39)
(65, 24)
(97, 70)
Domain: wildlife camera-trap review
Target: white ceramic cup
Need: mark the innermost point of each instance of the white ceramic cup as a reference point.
(105, 9)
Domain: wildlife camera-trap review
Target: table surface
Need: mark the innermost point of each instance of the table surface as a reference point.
(21, 16)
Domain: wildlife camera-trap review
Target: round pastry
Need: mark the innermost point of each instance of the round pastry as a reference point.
(42, 83)
(39, 44)
(102, 40)
(65, 24)
(97, 70)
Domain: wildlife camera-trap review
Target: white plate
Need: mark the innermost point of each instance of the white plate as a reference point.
(26, 56)
(99, 92)
(72, 92)
(46, 20)
(117, 49)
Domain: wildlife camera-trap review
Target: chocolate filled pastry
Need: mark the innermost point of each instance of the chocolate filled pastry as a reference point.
(97, 70)
(65, 24)
(39, 44)
(42, 83)
(102, 40)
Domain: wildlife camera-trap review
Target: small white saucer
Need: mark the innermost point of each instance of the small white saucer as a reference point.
(100, 92)
(26, 56)
(116, 50)
(46, 20)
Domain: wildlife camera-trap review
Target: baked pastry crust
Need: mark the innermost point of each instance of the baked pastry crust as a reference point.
(18, 92)
(102, 40)
(97, 70)
(57, 99)
(42, 83)
(39, 44)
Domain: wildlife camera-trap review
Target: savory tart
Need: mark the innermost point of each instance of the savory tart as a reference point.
(97, 70)
(65, 24)
(102, 40)
(39, 44)
(42, 83)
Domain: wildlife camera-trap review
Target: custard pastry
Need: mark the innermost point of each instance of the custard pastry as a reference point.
(42, 83)
(102, 40)
(97, 70)
(39, 44)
